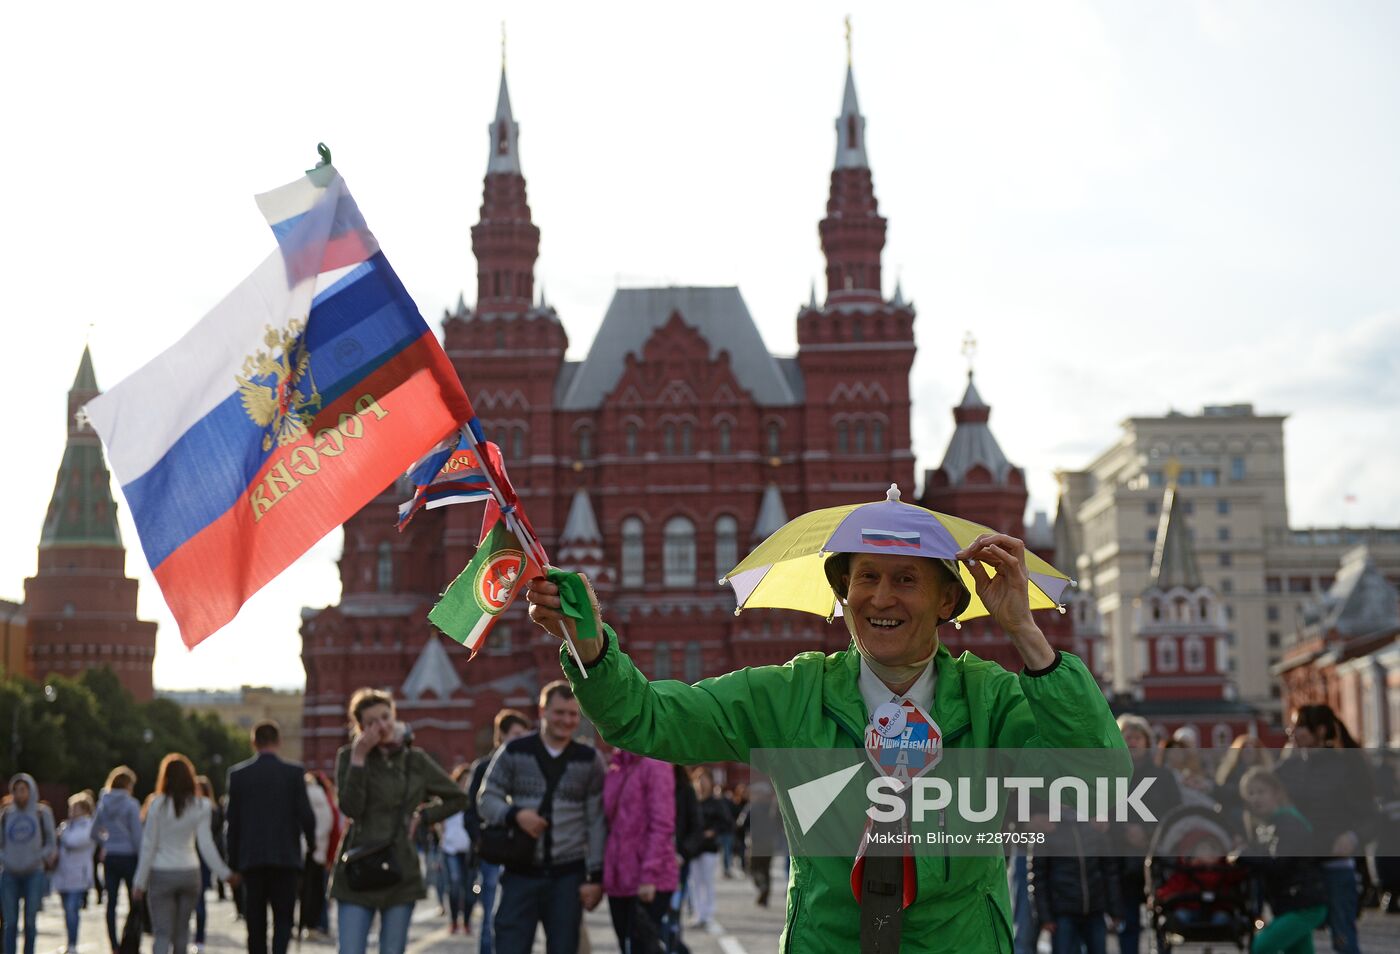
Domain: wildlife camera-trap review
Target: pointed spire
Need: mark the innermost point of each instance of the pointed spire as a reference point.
(970, 398)
(85, 379)
(772, 516)
(581, 526)
(504, 132)
(850, 129)
(898, 299)
(433, 672)
(461, 310)
(581, 543)
(973, 443)
(544, 303)
(812, 301)
(1174, 559)
(82, 510)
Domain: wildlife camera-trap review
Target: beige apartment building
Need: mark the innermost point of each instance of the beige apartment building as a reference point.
(246, 707)
(1232, 485)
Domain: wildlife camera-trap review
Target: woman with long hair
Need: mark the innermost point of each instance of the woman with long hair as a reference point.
(386, 788)
(176, 837)
(118, 825)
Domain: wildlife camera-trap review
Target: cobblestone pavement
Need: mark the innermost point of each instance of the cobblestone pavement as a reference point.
(740, 927)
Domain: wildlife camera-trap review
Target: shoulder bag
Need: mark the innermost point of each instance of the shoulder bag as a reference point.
(374, 866)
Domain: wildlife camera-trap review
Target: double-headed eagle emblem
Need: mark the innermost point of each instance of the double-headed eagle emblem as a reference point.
(276, 386)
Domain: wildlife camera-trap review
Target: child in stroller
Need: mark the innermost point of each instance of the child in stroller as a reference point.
(1198, 896)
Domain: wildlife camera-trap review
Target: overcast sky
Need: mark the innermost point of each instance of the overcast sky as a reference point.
(1132, 207)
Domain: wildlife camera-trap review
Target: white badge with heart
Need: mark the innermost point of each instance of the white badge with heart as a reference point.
(889, 719)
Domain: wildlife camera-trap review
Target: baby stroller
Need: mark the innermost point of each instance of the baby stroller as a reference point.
(1197, 896)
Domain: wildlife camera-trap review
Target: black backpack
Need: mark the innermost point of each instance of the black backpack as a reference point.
(690, 826)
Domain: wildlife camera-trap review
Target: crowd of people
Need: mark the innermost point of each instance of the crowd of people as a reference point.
(1306, 842)
(543, 827)
(391, 829)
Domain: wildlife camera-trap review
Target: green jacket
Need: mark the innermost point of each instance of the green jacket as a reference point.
(378, 798)
(814, 702)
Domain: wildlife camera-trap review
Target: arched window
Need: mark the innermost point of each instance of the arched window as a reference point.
(517, 442)
(668, 440)
(631, 440)
(633, 552)
(1166, 655)
(386, 568)
(500, 339)
(678, 555)
(843, 438)
(877, 437)
(774, 439)
(724, 437)
(686, 439)
(585, 443)
(661, 661)
(860, 437)
(726, 544)
(1195, 652)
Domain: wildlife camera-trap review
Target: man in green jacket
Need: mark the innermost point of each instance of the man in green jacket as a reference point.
(893, 605)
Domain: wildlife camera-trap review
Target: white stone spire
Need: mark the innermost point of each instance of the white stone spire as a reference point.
(772, 516)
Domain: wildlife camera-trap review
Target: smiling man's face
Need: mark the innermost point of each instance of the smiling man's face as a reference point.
(895, 603)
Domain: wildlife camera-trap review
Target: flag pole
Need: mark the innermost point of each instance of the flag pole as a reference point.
(517, 527)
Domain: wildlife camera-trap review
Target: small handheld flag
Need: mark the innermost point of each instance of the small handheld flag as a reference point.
(484, 590)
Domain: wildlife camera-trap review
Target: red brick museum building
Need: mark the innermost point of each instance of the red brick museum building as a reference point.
(655, 463)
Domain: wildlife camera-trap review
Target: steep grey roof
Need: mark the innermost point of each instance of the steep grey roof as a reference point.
(1361, 600)
(792, 371)
(1174, 559)
(581, 525)
(719, 314)
(566, 378)
(972, 443)
(503, 157)
(772, 516)
(433, 672)
(850, 154)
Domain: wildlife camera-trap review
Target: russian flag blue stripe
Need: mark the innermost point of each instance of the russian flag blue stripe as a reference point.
(198, 478)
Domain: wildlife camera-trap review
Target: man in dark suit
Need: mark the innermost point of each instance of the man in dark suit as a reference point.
(268, 815)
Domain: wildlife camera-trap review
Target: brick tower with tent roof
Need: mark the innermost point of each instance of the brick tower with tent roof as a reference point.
(81, 605)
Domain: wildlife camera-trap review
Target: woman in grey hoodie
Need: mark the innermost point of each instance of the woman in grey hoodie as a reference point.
(118, 824)
(27, 847)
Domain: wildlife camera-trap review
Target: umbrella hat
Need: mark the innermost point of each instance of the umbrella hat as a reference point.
(788, 570)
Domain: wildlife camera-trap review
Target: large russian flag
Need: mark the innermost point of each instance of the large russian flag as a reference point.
(301, 396)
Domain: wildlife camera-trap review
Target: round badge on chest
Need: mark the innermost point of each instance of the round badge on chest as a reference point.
(889, 719)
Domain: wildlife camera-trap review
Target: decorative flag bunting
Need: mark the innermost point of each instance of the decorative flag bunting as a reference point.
(449, 475)
(483, 591)
(285, 410)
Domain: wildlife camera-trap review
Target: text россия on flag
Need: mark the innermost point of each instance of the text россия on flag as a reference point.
(309, 389)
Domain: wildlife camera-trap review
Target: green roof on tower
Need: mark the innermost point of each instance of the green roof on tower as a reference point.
(82, 511)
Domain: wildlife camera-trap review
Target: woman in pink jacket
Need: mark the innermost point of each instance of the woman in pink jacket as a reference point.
(639, 864)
